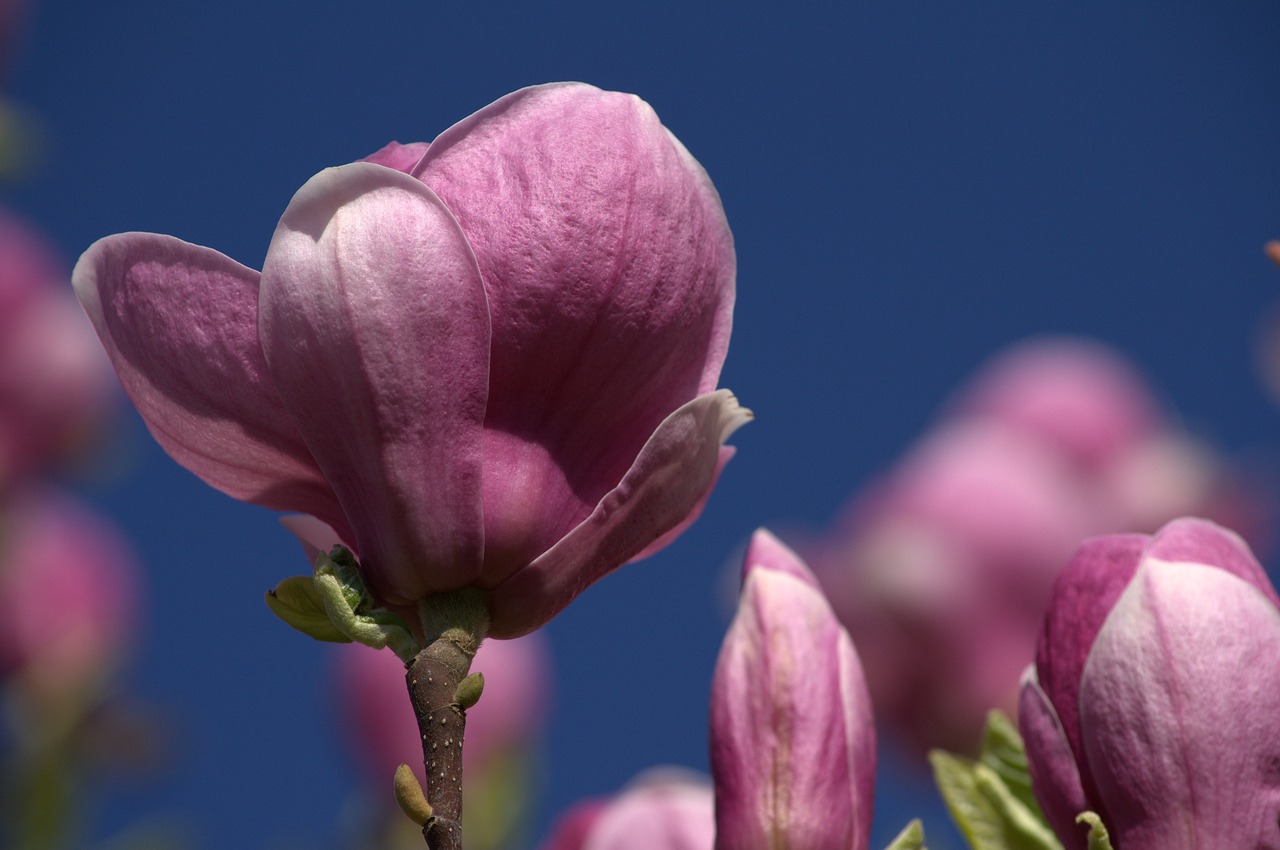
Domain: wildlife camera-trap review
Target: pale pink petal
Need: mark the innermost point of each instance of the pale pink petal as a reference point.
(609, 267)
(315, 535)
(1055, 778)
(663, 810)
(669, 478)
(180, 324)
(1200, 541)
(398, 156)
(375, 329)
(1180, 709)
(792, 738)
(726, 454)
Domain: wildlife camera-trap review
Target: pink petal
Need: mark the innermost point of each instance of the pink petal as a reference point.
(1055, 778)
(375, 329)
(574, 826)
(668, 480)
(1180, 711)
(610, 273)
(663, 810)
(1082, 597)
(180, 324)
(398, 156)
(792, 740)
(1200, 541)
(1078, 396)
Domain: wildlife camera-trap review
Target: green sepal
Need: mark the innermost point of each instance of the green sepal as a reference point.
(911, 838)
(1098, 837)
(350, 607)
(298, 602)
(989, 799)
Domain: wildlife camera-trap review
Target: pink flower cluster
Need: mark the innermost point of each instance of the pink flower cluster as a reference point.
(68, 582)
(941, 569)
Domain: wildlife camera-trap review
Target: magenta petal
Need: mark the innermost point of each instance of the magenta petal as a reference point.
(609, 267)
(1055, 778)
(792, 740)
(375, 328)
(668, 480)
(1082, 597)
(180, 324)
(1180, 709)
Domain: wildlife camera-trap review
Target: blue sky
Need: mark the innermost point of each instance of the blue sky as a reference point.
(911, 186)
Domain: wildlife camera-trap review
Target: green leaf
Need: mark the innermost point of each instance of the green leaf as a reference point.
(1004, 753)
(911, 838)
(298, 602)
(990, 816)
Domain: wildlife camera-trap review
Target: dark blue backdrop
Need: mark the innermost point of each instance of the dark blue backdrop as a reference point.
(911, 186)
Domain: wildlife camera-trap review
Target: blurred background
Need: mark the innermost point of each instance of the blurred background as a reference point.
(913, 187)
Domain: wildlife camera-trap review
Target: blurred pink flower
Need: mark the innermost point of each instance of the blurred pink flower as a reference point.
(496, 370)
(663, 809)
(941, 570)
(69, 594)
(380, 722)
(56, 384)
(1155, 696)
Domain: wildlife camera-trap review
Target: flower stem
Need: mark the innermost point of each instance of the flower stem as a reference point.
(455, 624)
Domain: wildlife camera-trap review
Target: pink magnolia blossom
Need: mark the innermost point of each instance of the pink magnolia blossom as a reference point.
(383, 730)
(942, 569)
(792, 740)
(491, 365)
(1155, 696)
(55, 384)
(69, 591)
(664, 809)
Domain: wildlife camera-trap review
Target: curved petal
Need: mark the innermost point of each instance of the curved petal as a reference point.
(1200, 541)
(792, 740)
(398, 156)
(663, 810)
(609, 267)
(667, 481)
(180, 324)
(1179, 704)
(375, 329)
(1082, 597)
(1055, 778)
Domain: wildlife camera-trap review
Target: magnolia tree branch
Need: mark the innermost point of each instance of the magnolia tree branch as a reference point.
(441, 691)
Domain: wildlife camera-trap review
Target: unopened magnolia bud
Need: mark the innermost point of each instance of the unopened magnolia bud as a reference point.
(468, 691)
(410, 797)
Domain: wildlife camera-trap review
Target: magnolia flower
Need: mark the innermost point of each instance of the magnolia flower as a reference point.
(487, 362)
(942, 569)
(793, 751)
(663, 809)
(69, 591)
(1155, 696)
(55, 384)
